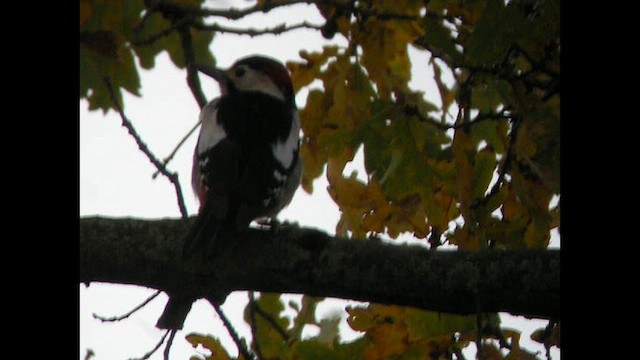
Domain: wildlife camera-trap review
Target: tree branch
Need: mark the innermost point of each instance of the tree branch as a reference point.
(483, 116)
(232, 331)
(276, 30)
(305, 261)
(173, 177)
(236, 13)
(131, 312)
(190, 58)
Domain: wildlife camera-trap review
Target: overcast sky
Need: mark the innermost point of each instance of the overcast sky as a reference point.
(116, 180)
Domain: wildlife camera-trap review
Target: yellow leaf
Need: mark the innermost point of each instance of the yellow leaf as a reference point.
(466, 238)
(490, 352)
(302, 74)
(407, 215)
(389, 339)
(359, 319)
(512, 209)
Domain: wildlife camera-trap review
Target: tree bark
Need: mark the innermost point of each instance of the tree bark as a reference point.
(307, 261)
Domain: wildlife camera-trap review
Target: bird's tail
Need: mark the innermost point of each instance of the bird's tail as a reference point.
(208, 236)
(175, 312)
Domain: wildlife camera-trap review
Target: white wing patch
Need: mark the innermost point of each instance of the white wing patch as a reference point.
(211, 133)
(284, 151)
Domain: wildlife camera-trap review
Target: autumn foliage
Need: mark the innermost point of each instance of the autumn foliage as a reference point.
(477, 167)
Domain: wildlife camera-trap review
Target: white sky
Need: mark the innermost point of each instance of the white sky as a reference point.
(115, 180)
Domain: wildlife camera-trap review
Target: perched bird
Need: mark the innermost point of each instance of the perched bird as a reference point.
(246, 163)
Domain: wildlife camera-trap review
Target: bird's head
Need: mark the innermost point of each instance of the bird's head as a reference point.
(254, 73)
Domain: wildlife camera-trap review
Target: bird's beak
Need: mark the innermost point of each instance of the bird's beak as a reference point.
(219, 74)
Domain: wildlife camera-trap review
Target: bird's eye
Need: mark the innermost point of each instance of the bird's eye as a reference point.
(239, 72)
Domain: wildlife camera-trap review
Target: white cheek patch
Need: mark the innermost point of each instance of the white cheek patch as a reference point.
(211, 132)
(257, 81)
(284, 151)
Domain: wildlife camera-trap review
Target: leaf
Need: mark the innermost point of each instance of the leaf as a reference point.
(423, 324)
(359, 319)
(329, 330)
(303, 74)
(104, 51)
(552, 338)
(494, 133)
(313, 154)
(447, 95)
(439, 38)
(465, 237)
(153, 26)
(387, 340)
(490, 351)
(490, 93)
(484, 168)
(361, 205)
(269, 322)
(384, 46)
(407, 215)
(489, 43)
(210, 343)
(306, 315)
(118, 66)
(313, 350)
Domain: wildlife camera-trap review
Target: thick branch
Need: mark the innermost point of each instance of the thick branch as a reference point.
(305, 261)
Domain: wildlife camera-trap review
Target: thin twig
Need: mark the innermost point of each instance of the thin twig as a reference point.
(537, 64)
(548, 332)
(459, 354)
(175, 150)
(506, 166)
(267, 6)
(167, 348)
(173, 177)
(479, 354)
(235, 13)
(501, 115)
(122, 317)
(242, 349)
(252, 319)
(164, 33)
(276, 30)
(155, 348)
(270, 320)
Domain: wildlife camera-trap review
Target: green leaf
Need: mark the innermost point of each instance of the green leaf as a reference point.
(306, 315)
(439, 38)
(95, 66)
(314, 350)
(484, 167)
(147, 52)
(494, 133)
(329, 330)
(268, 330)
(489, 43)
(489, 93)
(428, 324)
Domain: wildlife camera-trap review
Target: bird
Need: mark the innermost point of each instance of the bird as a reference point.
(246, 163)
